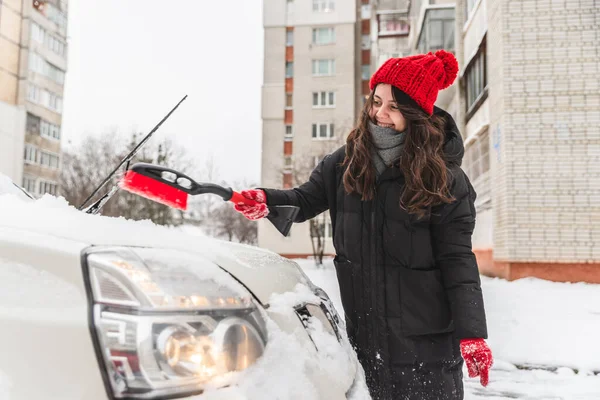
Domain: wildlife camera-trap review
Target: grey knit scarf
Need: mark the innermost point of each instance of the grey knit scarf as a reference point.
(388, 146)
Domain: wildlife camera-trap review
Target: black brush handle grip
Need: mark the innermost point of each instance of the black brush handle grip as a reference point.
(180, 181)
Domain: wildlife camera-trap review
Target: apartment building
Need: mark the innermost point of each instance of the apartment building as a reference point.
(313, 86)
(33, 63)
(531, 112)
(528, 105)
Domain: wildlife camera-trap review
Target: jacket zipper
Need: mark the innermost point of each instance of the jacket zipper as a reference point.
(374, 315)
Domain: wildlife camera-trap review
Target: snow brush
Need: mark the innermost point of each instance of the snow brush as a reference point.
(172, 188)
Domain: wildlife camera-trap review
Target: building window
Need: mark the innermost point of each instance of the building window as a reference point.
(365, 11)
(29, 184)
(48, 187)
(477, 155)
(48, 159)
(366, 72)
(289, 100)
(322, 131)
(289, 38)
(38, 33)
(54, 102)
(476, 79)
(287, 162)
(323, 67)
(323, 35)
(45, 129)
(323, 5)
(34, 94)
(37, 126)
(289, 133)
(392, 25)
(37, 64)
(55, 15)
(437, 31)
(56, 74)
(49, 130)
(289, 69)
(33, 124)
(54, 44)
(323, 99)
(365, 42)
(31, 153)
(41, 66)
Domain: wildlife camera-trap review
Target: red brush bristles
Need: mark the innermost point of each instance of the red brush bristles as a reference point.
(154, 190)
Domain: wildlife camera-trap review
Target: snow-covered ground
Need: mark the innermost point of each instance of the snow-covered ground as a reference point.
(545, 337)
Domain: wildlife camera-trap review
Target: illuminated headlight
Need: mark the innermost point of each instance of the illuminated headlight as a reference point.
(166, 324)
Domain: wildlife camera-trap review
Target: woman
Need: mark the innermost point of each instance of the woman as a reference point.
(403, 216)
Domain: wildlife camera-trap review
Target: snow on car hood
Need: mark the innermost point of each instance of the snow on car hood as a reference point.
(261, 271)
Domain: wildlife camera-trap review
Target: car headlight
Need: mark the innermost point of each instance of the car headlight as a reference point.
(165, 323)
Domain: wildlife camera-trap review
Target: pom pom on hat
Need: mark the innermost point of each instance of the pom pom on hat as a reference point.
(450, 66)
(420, 76)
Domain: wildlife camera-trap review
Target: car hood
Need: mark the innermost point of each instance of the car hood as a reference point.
(262, 272)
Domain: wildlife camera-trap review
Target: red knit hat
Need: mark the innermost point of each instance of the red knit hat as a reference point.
(420, 76)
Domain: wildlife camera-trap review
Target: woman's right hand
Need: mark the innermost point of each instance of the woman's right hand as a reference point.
(256, 211)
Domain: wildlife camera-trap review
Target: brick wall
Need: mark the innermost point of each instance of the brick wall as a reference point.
(543, 70)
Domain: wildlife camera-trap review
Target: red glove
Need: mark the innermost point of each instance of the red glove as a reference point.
(478, 358)
(257, 211)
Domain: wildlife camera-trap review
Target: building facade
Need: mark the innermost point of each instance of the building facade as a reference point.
(530, 107)
(33, 63)
(313, 86)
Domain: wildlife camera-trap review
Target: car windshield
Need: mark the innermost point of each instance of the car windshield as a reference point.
(7, 186)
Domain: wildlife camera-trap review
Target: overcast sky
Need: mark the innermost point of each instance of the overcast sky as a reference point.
(131, 61)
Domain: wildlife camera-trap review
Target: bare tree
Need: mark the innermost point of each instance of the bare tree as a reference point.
(229, 224)
(301, 168)
(85, 166)
(232, 226)
(203, 208)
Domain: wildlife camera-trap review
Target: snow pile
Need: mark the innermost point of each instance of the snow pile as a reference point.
(533, 322)
(53, 215)
(544, 336)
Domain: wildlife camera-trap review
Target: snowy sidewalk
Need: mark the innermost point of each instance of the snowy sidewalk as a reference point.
(545, 337)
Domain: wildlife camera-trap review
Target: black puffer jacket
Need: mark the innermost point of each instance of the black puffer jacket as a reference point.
(410, 287)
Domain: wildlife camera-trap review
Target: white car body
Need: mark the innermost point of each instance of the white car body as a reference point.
(47, 342)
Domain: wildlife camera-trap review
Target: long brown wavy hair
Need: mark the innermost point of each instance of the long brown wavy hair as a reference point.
(422, 162)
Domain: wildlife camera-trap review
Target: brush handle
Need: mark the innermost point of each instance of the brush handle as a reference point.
(238, 198)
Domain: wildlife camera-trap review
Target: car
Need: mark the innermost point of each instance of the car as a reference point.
(95, 307)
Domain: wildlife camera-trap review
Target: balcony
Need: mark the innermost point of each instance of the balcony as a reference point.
(392, 23)
(437, 31)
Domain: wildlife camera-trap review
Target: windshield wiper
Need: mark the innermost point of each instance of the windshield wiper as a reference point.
(98, 204)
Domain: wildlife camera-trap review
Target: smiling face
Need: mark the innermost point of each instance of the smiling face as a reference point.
(385, 112)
